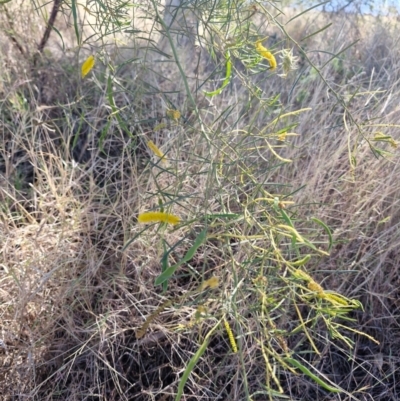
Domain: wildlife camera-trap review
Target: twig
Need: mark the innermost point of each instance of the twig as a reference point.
(50, 25)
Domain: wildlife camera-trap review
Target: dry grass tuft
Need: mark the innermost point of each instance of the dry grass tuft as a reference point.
(80, 315)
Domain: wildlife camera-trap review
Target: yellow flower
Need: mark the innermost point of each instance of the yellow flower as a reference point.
(173, 114)
(313, 286)
(150, 217)
(212, 282)
(87, 66)
(266, 54)
(231, 336)
(155, 149)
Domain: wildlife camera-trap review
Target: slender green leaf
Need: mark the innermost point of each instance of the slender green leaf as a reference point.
(301, 262)
(192, 363)
(167, 273)
(60, 36)
(222, 216)
(75, 18)
(311, 375)
(337, 54)
(227, 79)
(114, 107)
(327, 229)
(134, 238)
(307, 10)
(287, 219)
(319, 30)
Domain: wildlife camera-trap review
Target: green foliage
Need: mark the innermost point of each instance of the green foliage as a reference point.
(169, 271)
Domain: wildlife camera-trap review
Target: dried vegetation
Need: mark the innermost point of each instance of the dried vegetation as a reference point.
(77, 271)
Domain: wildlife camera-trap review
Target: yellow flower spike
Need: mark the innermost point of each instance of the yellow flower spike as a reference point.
(282, 342)
(302, 275)
(87, 66)
(264, 52)
(231, 336)
(335, 299)
(313, 286)
(153, 147)
(161, 217)
(141, 331)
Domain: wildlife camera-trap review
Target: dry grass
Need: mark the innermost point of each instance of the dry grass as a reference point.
(77, 271)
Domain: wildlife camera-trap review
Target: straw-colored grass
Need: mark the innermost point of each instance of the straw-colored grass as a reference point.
(269, 267)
